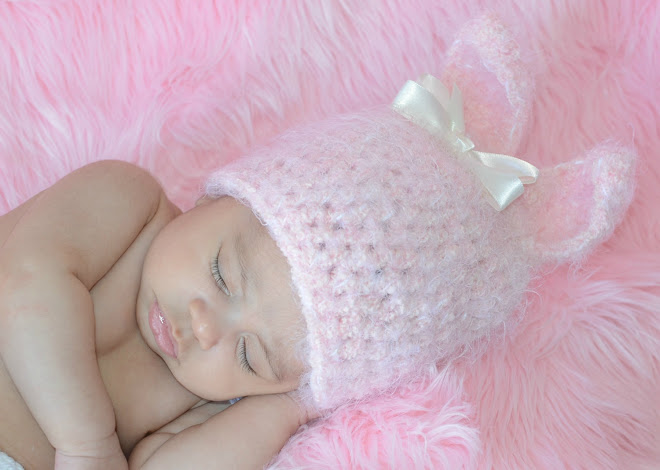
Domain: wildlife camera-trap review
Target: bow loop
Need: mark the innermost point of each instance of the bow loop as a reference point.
(429, 104)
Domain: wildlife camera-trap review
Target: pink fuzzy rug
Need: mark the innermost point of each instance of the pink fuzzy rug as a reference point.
(179, 87)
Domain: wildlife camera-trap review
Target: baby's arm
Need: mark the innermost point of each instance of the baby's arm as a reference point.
(244, 436)
(65, 241)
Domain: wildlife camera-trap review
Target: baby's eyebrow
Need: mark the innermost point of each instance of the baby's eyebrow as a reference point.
(274, 366)
(247, 279)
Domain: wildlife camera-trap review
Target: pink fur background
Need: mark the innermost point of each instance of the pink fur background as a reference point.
(179, 87)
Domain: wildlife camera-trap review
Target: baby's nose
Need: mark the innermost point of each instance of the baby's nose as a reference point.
(204, 325)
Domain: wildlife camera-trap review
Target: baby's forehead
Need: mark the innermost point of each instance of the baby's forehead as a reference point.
(266, 268)
(290, 352)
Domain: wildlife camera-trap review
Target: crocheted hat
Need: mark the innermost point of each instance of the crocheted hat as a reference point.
(396, 254)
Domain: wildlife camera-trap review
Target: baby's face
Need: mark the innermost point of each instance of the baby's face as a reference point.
(216, 303)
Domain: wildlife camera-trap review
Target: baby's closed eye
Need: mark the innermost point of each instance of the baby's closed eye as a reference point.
(243, 356)
(217, 276)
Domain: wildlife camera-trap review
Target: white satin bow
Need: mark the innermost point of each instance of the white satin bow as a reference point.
(429, 104)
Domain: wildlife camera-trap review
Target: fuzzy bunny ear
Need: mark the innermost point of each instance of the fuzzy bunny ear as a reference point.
(485, 63)
(576, 205)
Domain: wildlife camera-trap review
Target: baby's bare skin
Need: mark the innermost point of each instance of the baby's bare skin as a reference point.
(144, 394)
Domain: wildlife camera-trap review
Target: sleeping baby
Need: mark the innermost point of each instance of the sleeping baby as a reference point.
(119, 315)
(333, 264)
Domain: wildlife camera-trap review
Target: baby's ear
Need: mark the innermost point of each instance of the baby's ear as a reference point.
(576, 205)
(203, 200)
(497, 88)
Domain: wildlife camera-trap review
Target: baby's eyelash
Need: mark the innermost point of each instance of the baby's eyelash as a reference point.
(215, 271)
(243, 356)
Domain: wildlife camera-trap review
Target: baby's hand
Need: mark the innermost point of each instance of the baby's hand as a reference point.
(96, 456)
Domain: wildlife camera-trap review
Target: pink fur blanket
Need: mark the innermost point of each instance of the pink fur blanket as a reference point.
(179, 87)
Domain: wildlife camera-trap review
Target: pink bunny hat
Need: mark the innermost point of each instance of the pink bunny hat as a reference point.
(392, 225)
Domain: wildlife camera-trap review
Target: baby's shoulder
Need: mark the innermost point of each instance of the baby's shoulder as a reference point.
(110, 184)
(87, 220)
(94, 187)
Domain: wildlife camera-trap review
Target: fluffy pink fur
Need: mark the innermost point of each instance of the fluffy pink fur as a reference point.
(177, 86)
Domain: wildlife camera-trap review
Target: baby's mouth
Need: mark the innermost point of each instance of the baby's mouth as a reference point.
(162, 331)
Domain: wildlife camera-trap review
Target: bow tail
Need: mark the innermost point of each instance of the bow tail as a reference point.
(502, 176)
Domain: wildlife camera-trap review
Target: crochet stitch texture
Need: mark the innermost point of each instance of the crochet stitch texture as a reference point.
(397, 258)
